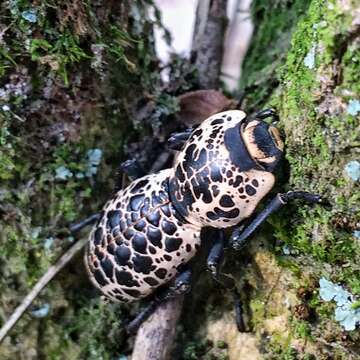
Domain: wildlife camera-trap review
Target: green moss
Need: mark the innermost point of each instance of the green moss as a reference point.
(257, 307)
(288, 263)
(7, 151)
(274, 24)
(301, 329)
(62, 108)
(221, 344)
(205, 350)
(60, 55)
(279, 348)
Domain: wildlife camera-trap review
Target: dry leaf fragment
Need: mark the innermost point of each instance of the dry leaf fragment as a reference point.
(196, 106)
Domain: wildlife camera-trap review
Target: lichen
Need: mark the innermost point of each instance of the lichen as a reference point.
(311, 84)
(320, 139)
(347, 312)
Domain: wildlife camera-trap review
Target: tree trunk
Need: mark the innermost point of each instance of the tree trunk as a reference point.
(303, 61)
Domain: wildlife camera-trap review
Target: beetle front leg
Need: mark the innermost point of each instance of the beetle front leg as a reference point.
(263, 114)
(214, 261)
(239, 237)
(180, 286)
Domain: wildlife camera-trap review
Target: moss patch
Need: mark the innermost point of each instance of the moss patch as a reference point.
(65, 71)
(274, 24)
(321, 138)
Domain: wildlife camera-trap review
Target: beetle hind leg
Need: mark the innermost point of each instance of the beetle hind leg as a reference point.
(181, 285)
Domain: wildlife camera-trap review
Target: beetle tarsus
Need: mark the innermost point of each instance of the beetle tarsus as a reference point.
(134, 325)
(303, 195)
(264, 114)
(216, 254)
(239, 312)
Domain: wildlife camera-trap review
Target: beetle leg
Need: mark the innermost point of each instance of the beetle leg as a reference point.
(88, 221)
(239, 311)
(177, 140)
(132, 169)
(216, 255)
(214, 260)
(239, 237)
(180, 286)
(263, 114)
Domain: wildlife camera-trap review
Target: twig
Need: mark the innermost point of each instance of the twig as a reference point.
(47, 277)
(156, 336)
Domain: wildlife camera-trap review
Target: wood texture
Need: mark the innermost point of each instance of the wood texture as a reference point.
(155, 337)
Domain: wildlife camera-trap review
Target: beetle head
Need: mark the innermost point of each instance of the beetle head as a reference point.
(263, 143)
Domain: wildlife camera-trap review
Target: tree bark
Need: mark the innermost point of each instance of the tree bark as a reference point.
(155, 338)
(208, 43)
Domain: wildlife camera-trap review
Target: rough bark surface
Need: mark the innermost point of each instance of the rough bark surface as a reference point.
(209, 41)
(155, 338)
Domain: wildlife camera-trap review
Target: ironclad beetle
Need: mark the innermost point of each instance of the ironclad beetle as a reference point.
(150, 230)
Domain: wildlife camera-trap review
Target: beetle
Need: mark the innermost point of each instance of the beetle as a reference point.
(148, 232)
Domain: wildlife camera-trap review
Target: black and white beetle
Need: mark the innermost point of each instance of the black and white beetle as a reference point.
(149, 231)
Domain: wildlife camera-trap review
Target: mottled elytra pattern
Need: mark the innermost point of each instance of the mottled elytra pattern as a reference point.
(150, 229)
(139, 242)
(215, 182)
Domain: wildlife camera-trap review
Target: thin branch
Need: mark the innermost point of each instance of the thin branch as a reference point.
(155, 337)
(47, 277)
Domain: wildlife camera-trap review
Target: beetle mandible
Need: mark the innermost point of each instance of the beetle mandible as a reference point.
(149, 231)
